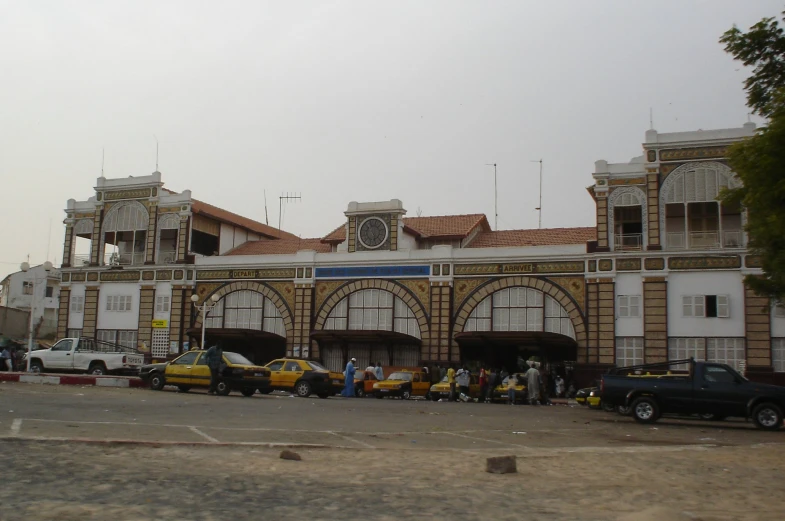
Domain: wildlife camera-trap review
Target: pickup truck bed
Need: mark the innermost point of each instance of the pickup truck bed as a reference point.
(704, 388)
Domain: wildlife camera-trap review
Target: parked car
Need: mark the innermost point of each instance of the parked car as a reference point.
(190, 370)
(705, 388)
(304, 378)
(363, 383)
(501, 392)
(403, 384)
(85, 355)
(442, 389)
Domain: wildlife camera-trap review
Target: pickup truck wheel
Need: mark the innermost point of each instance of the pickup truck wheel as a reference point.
(157, 381)
(97, 369)
(767, 416)
(248, 391)
(607, 407)
(223, 389)
(645, 410)
(36, 366)
(303, 389)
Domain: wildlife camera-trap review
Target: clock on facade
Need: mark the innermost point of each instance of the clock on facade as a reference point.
(373, 232)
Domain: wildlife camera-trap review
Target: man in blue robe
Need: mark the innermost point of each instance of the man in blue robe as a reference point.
(348, 389)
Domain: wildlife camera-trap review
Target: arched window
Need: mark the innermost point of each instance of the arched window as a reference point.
(246, 309)
(691, 216)
(168, 234)
(125, 234)
(520, 309)
(373, 309)
(627, 219)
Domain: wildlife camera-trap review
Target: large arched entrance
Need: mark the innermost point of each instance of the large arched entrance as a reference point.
(512, 320)
(372, 321)
(250, 318)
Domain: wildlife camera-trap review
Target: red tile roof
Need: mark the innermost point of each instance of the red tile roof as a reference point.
(435, 227)
(279, 247)
(219, 214)
(538, 237)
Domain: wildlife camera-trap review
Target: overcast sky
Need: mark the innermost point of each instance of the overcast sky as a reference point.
(349, 100)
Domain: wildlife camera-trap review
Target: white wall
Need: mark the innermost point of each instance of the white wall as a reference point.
(115, 319)
(777, 325)
(76, 320)
(226, 240)
(629, 284)
(706, 283)
(240, 236)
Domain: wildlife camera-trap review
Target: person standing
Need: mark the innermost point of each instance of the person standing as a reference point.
(491, 385)
(512, 381)
(559, 386)
(378, 371)
(533, 384)
(451, 381)
(464, 379)
(483, 383)
(214, 357)
(5, 359)
(348, 388)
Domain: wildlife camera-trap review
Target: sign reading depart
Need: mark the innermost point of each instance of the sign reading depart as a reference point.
(373, 271)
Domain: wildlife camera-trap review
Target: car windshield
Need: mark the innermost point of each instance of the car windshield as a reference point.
(405, 377)
(235, 358)
(317, 366)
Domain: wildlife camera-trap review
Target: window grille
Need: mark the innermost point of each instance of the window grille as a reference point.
(373, 309)
(629, 351)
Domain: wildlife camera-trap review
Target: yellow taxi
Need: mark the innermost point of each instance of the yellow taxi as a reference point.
(442, 389)
(403, 384)
(501, 392)
(304, 378)
(190, 370)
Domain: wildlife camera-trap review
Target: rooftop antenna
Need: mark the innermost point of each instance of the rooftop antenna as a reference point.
(282, 199)
(495, 198)
(156, 153)
(651, 118)
(266, 219)
(102, 161)
(539, 208)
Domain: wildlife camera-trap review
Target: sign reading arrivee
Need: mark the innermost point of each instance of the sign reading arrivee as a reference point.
(160, 323)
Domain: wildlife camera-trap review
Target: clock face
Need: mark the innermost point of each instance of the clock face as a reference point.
(373, 232)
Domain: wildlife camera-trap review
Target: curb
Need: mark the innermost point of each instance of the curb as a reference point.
(150, 443)
(56, 379)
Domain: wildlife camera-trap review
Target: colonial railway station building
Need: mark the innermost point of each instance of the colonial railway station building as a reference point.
(659, 277)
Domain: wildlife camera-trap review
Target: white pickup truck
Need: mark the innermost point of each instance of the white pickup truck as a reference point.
(85, 355)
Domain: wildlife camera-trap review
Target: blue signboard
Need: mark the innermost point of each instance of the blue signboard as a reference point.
(373, 271)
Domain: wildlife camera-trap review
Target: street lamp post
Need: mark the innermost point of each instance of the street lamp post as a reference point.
(25, 266)
(204, 308)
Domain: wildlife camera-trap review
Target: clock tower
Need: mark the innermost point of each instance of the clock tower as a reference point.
(374, 226)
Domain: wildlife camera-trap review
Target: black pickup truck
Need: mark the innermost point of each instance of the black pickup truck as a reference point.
(690, 387)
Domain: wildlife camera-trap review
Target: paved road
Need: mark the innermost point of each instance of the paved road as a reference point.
(65, 412)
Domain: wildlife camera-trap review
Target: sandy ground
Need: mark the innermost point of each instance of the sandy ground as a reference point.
(52, 481)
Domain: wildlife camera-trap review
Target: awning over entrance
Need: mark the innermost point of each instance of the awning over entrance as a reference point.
(258, 346)
(364, 336)
(551, 346)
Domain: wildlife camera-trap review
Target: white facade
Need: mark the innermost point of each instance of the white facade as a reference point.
(17, 292)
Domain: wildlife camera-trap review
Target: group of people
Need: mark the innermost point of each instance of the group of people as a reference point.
(536, 387)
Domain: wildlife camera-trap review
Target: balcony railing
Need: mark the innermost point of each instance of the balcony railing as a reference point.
(124, 259)
(167, 257)
(628, 242)
(705, 240)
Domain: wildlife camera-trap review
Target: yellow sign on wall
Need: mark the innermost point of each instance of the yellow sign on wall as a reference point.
(160, 323)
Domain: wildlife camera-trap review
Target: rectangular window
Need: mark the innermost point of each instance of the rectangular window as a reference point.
(779, 311)
(74, 333)
(111, 337)
(629, 306)
(684, 348)
(629, 351)
(50, 291)
(162, 304)
(778, 354)
(118, 303)
(711, 306)
(726, 351)
(27, 288)
(77, 304)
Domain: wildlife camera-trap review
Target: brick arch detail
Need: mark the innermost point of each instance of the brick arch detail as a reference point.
(258, 287)
(549, 288)
(396, 289)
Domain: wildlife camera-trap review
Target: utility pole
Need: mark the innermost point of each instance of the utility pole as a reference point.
(539, 208)
(282, 199)
(495, 197)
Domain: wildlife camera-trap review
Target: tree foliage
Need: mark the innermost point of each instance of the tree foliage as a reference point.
(763, 48)
(760, 160)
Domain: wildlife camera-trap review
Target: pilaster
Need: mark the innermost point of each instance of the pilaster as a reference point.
(96, 242)
(757, 319)
(303, 313)
(437, 346)
(178, 315)
(62, 312)
(653, 206)
(655, 319)
(90, 311)
(68, 243)
(182, 242)
(146, 305)
(152, 212)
